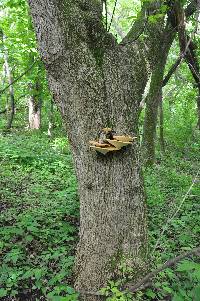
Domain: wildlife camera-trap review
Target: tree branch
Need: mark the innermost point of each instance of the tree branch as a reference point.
(114, 8)
(178, 61)
(169, 263)
(19, 77)
(191, 8)
(190, 56)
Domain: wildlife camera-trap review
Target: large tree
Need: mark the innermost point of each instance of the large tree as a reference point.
(97, 82)
(165, 32)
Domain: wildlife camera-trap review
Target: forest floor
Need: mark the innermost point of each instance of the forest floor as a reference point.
(39, 219)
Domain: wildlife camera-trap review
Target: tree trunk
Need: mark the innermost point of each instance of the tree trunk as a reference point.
(51, 121)
(189, 47)
(157, 57)
(34, 114)
(11, 92)
(162, 139)
(151, 112)
(97, 84)
(34, 106)
(198, 108)
(153, 98)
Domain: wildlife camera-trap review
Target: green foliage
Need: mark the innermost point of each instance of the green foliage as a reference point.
(38, 217)
(167, 184)
(20, 42)
(113, 292)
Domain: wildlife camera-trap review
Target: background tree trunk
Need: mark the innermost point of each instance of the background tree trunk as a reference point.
(158, 53)
(34, 113)
(161, 115)
(97, 84)
(158, 59)
(51, 119)
(34, 105)
(11, 92)
(198, 108)
(150, 120)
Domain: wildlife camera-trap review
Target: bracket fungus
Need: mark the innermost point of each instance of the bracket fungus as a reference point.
(109, 142)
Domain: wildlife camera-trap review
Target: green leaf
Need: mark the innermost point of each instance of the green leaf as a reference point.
(29, 238)
(3, 292)
(196, 293)
(28, 274)
(177, 298)
(38, 274)
(185, 266)
(167, 289)
(150, 294)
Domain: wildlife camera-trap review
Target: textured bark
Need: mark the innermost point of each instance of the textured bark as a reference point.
(97, 83)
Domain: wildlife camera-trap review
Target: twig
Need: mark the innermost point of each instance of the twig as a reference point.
(106, 10)
(112, 15)
(117, 26)
(19, 77)
(178, 62)
(175, 213)
(167, 264)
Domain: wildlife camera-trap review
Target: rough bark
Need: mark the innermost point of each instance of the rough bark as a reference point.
(97, 83)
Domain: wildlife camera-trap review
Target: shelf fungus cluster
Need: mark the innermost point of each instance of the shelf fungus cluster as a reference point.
(109, 141)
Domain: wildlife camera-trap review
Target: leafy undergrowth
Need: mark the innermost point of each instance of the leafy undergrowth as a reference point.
(173, 192)
(39, 220)
(39, 216)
